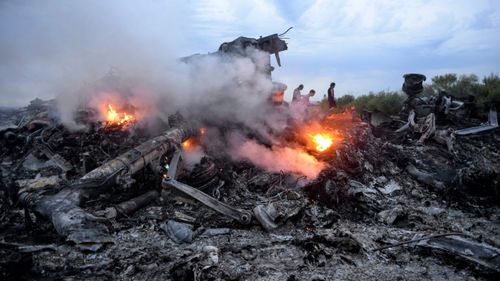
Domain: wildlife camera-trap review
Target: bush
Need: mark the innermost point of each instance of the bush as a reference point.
(345, 101)
(342, 103)
(463, 86)
(445, 82)
(485, 92)
(490, 91)
(389, 103)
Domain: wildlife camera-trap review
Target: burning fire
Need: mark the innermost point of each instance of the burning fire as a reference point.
(194, 142)
(278, 159)
(118, 118)
(187, 143)
(322, 141)
(320, 138)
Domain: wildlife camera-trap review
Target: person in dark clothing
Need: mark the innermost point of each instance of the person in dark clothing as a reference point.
(331, 96)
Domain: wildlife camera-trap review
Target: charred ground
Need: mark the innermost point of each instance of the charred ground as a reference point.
(379, 188)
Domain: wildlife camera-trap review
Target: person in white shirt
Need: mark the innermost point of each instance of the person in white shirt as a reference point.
(305, 99)
(296, 93)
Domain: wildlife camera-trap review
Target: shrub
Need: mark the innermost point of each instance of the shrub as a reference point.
(467, 85)
(389, 103)
(342, 103)
(345, 101)
(490, 90)
(486, 91)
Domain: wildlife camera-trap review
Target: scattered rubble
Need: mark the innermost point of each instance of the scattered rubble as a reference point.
(374, 193)
(116, 202)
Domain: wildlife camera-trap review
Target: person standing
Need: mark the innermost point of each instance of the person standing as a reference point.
(305, 99)
(331, 96)
(296, 93)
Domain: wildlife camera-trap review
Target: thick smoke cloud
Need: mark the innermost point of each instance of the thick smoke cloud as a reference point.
(51, 48)
(63, 49)
(276, 158)
(60, 49)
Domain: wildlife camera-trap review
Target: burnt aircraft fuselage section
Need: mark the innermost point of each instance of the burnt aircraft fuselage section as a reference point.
(243, 46)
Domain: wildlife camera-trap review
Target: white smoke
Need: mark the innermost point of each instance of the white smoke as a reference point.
(64, 49)
(276, 158)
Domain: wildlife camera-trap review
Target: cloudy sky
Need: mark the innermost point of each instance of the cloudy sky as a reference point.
(362, 45)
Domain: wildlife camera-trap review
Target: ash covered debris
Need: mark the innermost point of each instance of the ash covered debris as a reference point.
(207, 197)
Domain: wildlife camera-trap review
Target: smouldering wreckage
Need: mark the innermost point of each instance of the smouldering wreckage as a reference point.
(443, 105)
(115, 202)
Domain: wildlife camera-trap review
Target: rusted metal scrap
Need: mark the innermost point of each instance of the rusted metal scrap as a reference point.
(62, 208)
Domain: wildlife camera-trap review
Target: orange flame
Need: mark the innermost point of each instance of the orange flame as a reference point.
(187, 143)
(322, 141)
(320, 138)
(119, 118)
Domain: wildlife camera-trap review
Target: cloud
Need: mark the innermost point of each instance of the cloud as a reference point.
(378, 41)
(389, 23)
(364, 45)
(227, 20)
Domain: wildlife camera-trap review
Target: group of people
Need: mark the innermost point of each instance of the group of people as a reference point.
(299, 98)
(304, 99)
(301, 108)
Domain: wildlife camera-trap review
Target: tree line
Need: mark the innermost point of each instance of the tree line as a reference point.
(464, 87)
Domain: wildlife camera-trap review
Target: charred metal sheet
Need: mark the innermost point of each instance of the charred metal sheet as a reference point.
(179, 232)
(174, 164)
(241, 216)
(266, 216)
(479, 254)
(87, 231)
(58, 160)
(272, 44)
(490, 125)
(410, 124)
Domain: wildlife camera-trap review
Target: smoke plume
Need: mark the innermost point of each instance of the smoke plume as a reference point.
(275, 158)
(64, 50)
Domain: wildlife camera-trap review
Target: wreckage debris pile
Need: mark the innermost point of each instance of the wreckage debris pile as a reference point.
(346, 224)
